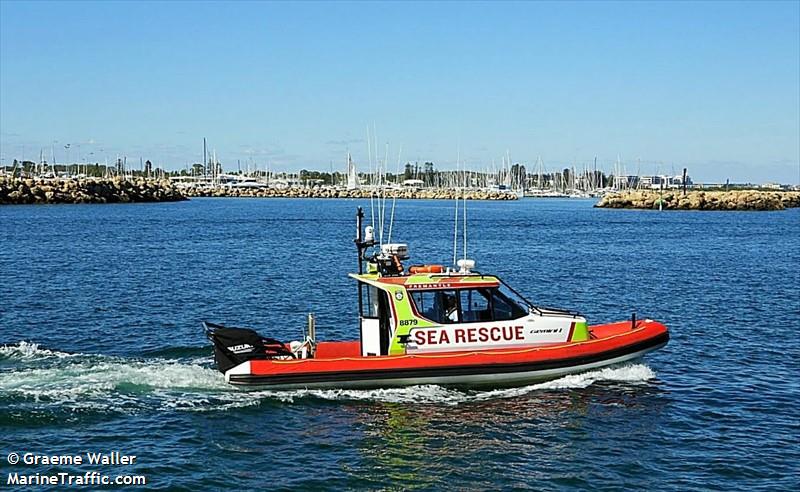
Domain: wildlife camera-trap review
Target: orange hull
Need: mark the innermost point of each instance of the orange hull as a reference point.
(339, 364)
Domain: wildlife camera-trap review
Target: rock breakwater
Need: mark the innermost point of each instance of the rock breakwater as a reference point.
(703, 200)
(96, 190)
(89, 190)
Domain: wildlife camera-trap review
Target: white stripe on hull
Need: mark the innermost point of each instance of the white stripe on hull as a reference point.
(496, 379)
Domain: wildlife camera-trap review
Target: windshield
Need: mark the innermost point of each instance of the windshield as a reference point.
(469, 305)
(513, 296)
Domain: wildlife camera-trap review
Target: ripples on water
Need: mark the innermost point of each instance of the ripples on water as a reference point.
(100, 309)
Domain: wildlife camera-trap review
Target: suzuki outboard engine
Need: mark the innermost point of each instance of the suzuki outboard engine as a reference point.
(232, 346)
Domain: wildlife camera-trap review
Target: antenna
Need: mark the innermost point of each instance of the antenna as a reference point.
(371, 189)
(464, 206)
(377, 164)
(382, 192)
(394, 195)
(455, 230)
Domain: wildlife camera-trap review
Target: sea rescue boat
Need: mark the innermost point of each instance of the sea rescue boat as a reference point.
(433, 325)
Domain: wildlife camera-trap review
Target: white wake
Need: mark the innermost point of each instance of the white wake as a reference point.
(49, 378)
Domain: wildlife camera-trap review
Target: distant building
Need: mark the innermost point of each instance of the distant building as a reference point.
(655, 182)
(288, 182)
(624, 182)
(677, 181)
(650, 182)
(413, 184)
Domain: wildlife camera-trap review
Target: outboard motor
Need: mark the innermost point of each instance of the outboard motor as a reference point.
(232, 346)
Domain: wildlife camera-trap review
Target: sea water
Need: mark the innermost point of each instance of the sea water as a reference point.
(102, 350)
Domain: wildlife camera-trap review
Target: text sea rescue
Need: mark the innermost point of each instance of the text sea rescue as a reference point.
(483, 334)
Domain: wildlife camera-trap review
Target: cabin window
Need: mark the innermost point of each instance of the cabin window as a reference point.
(467, 305)
(369, 301)
(504, 308)
(475, 305)
(439, 306)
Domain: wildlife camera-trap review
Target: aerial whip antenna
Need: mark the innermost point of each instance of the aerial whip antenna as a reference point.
(455, 230)
(382, 191)
(371, 201)
(394, 198)
(464, 206)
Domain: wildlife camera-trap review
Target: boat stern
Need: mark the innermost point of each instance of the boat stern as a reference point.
(243, 369)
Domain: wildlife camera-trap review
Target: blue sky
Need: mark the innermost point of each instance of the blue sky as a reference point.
(711, 86)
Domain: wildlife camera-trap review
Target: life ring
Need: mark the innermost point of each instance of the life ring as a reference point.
(426, 269)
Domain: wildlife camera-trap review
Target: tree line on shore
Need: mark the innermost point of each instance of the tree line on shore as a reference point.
(514, 177)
